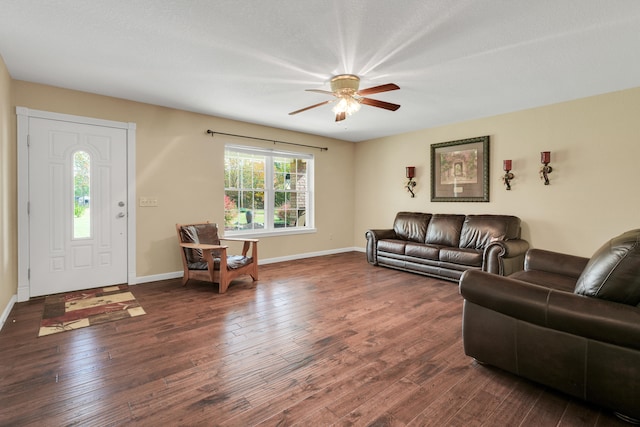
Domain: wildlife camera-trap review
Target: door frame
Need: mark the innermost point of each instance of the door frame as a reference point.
(22, 141)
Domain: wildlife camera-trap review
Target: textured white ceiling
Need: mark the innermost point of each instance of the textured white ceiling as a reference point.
(252, 60)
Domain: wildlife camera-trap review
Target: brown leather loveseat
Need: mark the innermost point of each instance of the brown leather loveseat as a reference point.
(568, 322)
(445, 245)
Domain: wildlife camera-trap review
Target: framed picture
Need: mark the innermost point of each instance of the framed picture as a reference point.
(460, 170)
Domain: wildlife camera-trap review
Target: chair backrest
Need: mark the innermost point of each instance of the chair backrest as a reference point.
(206, 233)
(612, 272)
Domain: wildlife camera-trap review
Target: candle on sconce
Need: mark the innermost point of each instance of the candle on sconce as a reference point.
(506, 165)
(411, 171)
(545, 157)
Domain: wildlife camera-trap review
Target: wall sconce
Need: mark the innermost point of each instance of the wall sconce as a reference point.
(508, 176)
(411, 172)
(545, 159)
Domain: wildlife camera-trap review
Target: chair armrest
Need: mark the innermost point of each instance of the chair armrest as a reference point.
(246, 243)
(511, 297)
(555, 262)
(372, 242)
(496, 253)
(588, 317)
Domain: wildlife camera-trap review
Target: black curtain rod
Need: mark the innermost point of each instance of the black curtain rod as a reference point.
(209, 131)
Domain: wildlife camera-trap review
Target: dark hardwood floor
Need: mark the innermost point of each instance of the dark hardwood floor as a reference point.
(322, 341)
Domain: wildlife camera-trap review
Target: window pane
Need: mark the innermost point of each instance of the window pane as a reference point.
(81, 195)
(257, 212)
(254, 177)
(230, 209)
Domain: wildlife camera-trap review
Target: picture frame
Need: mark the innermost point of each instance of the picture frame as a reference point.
(460, 170)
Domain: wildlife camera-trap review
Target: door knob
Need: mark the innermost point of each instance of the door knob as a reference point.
(120, 215)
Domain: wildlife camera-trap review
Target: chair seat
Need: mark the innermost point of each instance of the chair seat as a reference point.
(236, 261)
(233, 262)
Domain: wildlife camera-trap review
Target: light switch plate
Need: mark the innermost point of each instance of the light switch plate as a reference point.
(148, 202)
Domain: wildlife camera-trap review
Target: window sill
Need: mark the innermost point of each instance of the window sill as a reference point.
(253, 234)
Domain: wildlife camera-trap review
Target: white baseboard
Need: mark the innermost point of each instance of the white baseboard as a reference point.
(23, 292)
(157, 277)
(306, 255)
(7, 311)
(178, 274)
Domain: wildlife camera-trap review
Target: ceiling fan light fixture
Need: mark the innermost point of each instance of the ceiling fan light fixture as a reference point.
(347, 104)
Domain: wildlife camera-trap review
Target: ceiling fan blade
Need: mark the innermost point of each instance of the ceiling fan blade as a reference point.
(326, 92)
(378, 89)
(309, 107)
(341, 116)
(379, 104)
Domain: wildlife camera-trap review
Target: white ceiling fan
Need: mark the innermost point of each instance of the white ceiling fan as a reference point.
(344, 89)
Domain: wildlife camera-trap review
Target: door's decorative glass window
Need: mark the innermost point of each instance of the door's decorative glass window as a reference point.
(81, 195)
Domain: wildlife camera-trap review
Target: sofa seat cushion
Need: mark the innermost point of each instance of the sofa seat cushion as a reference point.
(394, 246)
(612, 272)
(548, 280)
(423, 251)
(470, 257)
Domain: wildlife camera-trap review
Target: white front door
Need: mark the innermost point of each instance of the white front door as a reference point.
(77, 206)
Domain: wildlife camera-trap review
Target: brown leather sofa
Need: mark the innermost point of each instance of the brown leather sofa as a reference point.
(445, 245)
(568, 322)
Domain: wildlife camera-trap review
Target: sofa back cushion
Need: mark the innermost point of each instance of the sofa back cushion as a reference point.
(480, 230)
(444, 229)
(411, 226)
(613, 272)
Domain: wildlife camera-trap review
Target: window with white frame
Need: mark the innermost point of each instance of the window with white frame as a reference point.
(267, 190)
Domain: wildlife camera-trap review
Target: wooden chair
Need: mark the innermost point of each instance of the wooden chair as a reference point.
(204, 258)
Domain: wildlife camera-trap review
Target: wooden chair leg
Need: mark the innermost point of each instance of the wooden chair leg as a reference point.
(224, 284)
(185, 277)
(254, 271)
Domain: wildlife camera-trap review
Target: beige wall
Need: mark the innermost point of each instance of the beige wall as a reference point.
(183, 167)
(8, 199)
(594, 145)
(595, 149)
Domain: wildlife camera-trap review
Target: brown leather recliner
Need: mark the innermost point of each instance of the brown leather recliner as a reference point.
(568, 322)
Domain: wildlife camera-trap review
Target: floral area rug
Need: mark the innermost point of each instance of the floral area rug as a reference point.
(75, 310)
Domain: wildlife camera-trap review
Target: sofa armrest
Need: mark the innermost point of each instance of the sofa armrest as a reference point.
(555, 262)
(588, 317)
(372, 242)
(504, 257)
